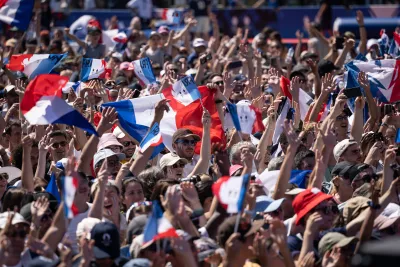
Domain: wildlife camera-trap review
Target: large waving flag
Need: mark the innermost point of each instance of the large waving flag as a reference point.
(305, 99)
(152, 138)
(157, 226)
(383, 75)
(244, 117)
(34, 64)
(16, 13)
(136, 115)
(144, 71)
(231, 192)
(42, 104)
(94, 69)
(70, 185)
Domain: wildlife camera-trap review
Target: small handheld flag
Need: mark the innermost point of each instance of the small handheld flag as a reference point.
(70, 185)
(93, 69)
(231, 192)
(144, 70)
(152, 138)
(185, 90)
(17, 13)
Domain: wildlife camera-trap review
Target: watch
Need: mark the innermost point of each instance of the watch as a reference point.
(374, 206)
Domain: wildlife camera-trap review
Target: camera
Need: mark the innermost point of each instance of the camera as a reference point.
(194, 179)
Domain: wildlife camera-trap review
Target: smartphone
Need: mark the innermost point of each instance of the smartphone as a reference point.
(339, 42)
(205, 59)
(334, 96)
(290, 114)
(388, 109)
(352, 92)
(235, 65)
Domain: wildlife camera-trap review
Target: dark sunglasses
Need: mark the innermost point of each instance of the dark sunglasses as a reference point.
(187, 142)
(219, 83)
(18, 233)
(276, 213)
(178, 165)
(57, 145)
(128, 143)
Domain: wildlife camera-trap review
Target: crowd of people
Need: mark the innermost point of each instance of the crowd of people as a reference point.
(335, 176)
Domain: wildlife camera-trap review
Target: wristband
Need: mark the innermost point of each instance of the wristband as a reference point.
(384, 124)
(361, 26)
(218, 101)
(374, 206)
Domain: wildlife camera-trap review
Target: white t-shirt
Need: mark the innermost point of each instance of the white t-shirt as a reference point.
(73, 225)
(190, 166)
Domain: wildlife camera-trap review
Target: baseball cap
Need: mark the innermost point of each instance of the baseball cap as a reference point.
(117, 55)
(382, 222)
(170, 159)
(184, 133)
(372, 42)
(163, 29)
(9, 87)
(12, 172)
(154, 33)
(234, 168)
(18, 218)
(11, 42)
(125, 66)
(306, 201)
(106, 140)
(350, 172)
(86, 226)
(105, 153)
(136, 227)
(334, 239)
(349, 35)
(353, 207)
(326, 66)
(118, 132)
(341, 147)
(339, 167)
(199, 42)
(106, 241)
(227, 228)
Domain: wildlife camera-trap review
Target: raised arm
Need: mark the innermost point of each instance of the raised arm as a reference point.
(297, 51)
(108, 119)
(328, 86)
(348, 46)
(205, 152)
(364, 83)
(287, 165)
(358, 122)
(362, 46)
(102, 177)
(76, 39)
(27, 172)
(43, 148)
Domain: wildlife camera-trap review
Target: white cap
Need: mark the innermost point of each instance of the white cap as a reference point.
(341, 147)
(118, 133)
(372, 42)
(117, 55)
(106, 153)
(12, 172)
(199, 42)
(16, 219)
(191, 72)
(9, 87)
(85, 226)
(170, 159)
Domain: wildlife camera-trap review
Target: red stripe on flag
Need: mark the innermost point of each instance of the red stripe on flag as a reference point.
(16, 62)
(216, 188)
(170, 233)
(285, 83)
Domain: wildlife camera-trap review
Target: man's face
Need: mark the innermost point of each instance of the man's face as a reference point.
(352, 154)
(58, 147)
(129, 146)
(341, 124)
(175, 171)
(15, 137)
(114, 164)
(17, 237)
(325, 210)
(217, 80)
(184, 147)
(307, 164)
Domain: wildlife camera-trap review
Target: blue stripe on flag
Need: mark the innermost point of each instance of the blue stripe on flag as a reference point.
(47, 65)
(23, 14)
(52, 187)
(232, 108)
(86, 69)
(398, 136)
(243, 191)
(76, 119)
(147, 69)
(191, 87)
(151, 228)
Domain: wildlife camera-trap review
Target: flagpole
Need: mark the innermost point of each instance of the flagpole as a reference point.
(237, 221)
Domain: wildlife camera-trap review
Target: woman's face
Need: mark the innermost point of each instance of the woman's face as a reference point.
(390, 136)
(3, 184)
(111, 202)
(133, 194)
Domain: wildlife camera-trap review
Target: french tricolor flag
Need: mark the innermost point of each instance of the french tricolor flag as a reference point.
(185, 90)
(94, 69)
(244, 117)
(76, 86)
(144, 71)
(152, 138)
(231, 192)
(70, 185)
(158, 227)
(43, 104)
(34, 64)
(16, 13)
(120, 38)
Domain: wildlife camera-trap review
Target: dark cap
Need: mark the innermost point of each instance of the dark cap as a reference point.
(136, 227)
(106, 241)
(350, 172)
(308, 55)
(120, 80)
(326, 66)
(340, 167)
(227, 228)
(184, 133)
